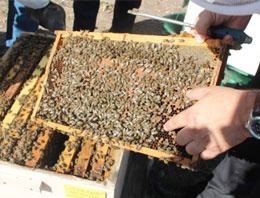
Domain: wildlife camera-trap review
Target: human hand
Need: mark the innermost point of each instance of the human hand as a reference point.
(207, 19)
(215, 123)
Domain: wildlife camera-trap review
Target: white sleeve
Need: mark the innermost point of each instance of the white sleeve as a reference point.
(239, 7)
(35, 4)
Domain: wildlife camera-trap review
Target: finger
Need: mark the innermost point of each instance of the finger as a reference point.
(208, 154)
(184, 136)
(203, 22)
(176, 122)
(193, 32)
(228, 38)
(198, 93)
(200, 38)
(194, 148)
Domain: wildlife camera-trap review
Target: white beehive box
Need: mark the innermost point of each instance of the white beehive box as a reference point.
(19, 181)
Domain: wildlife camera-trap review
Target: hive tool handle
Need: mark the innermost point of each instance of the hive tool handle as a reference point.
(217, 32)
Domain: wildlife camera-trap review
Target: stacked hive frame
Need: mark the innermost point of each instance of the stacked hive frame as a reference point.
(28, 144)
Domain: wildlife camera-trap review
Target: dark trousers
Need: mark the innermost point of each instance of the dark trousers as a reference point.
(238, 175)
(17, 22)
(85, 13)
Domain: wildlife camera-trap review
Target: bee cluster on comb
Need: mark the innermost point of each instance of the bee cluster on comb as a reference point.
(121, 92)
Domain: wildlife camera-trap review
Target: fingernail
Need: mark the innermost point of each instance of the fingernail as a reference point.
(199, 38)
(188, 92)
(165, 127)
(228, 38)
(192, 32)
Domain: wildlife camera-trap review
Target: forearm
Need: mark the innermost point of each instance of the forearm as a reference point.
(35, 4)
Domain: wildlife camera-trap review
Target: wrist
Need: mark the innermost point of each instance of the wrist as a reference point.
(250, 101)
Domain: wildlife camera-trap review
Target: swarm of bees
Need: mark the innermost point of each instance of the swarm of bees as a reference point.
(122, 91)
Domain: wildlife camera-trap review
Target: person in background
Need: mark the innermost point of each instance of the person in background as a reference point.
(18, 22)
(85, 13)
(224, 119)
(26, 15)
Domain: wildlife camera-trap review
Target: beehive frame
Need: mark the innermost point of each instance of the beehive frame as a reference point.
(219, 53)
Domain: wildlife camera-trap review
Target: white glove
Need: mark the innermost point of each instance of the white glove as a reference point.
(35, 4)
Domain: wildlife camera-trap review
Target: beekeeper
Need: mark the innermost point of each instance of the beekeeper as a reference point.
(224, 119)
(26, 15)
(46, 13)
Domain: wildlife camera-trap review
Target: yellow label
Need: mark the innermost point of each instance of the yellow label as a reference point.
(79, 192)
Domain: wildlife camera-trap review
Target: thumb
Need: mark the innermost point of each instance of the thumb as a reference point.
(203, 22)
(198, 93)
(209, 154)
